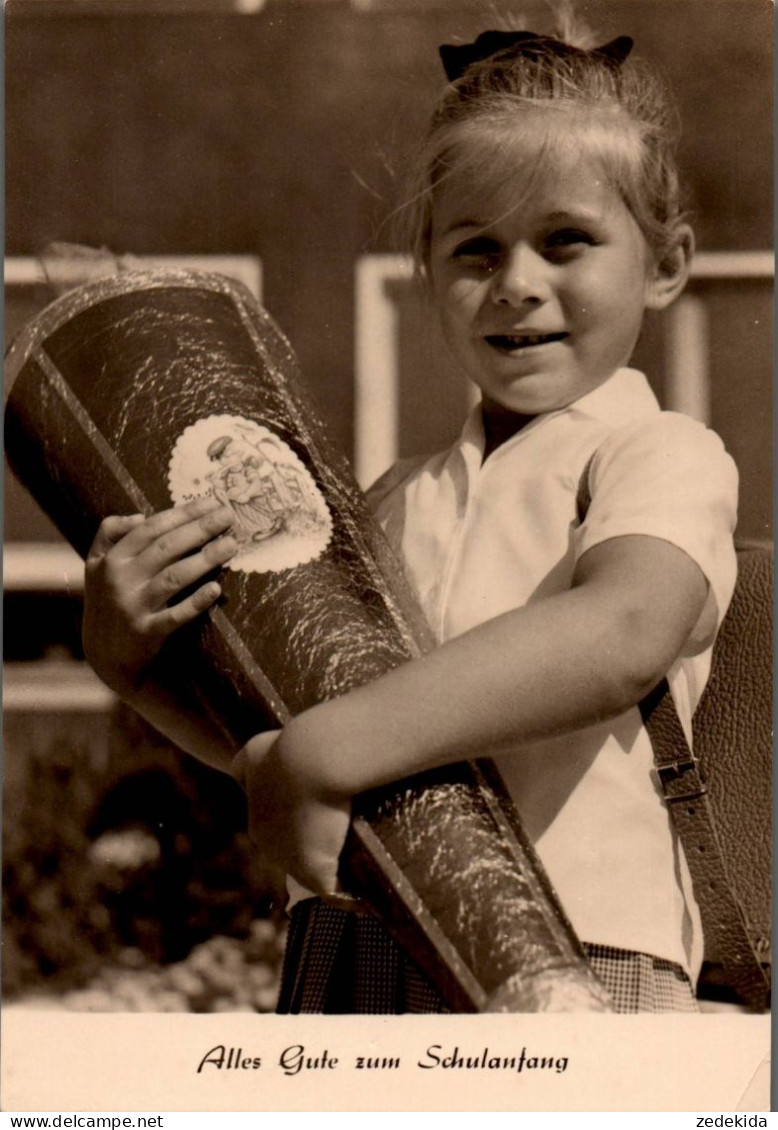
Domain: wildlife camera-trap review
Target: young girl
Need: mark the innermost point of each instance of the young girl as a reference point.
(547, 222)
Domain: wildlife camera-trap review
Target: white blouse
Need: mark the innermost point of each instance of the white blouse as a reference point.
(479, 538)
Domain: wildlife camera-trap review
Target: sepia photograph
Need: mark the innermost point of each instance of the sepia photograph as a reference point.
(388, 555)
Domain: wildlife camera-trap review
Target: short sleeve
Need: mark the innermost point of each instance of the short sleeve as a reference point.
(669, 477)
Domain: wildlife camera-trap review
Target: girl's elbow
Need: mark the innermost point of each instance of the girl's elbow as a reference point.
(635, 683)
(641, 659)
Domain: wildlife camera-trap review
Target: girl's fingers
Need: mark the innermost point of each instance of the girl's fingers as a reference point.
(182, 573)
(315, 863)
(253, 753)
(136, 564)
(111, 531)
(322, 880)
(170, 619)
(166, 536)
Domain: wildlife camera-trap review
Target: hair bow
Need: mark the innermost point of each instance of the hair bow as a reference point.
(457, 58)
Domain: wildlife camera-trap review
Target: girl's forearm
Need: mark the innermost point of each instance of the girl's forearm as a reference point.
(186, 725)
(568, 661)
(472, 696)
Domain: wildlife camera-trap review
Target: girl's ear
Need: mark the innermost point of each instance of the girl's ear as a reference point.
(668, 276)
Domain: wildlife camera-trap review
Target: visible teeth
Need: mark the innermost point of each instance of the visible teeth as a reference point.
(523, 340)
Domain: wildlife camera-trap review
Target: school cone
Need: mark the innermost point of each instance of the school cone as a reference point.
(148, 388)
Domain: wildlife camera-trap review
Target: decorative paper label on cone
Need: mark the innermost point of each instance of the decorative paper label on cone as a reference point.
(281, 519)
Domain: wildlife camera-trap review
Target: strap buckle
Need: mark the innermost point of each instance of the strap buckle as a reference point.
(680, 779)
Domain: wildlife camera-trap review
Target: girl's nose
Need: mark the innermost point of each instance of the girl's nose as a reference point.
(520, 279)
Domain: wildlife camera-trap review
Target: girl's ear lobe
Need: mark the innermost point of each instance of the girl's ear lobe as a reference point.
(668, 277)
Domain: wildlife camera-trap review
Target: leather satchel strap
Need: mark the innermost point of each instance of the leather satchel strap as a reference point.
(684, 791)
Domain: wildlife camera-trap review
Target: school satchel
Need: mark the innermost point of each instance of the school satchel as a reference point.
(720, 798)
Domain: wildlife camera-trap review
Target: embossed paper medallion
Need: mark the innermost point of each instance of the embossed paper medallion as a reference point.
(281, 519)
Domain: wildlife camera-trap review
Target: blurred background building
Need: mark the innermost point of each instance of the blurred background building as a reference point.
(268, 140)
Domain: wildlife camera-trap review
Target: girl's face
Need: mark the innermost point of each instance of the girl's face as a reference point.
(541, 291)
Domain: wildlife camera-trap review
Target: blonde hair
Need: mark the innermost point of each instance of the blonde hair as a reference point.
(541, 106)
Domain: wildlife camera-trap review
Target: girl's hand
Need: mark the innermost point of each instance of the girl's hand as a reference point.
(135, 567)
(295, 823)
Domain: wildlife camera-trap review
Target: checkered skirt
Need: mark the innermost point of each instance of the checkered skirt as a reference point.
(340, 962)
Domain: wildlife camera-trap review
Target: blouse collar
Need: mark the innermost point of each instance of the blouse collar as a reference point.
(624, 397)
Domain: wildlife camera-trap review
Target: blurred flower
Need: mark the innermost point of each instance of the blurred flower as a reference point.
(128, 849)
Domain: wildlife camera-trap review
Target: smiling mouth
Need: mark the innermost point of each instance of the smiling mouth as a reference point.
(512, 342)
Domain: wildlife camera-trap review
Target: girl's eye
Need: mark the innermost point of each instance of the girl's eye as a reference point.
(477, 252)
(567, 241)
